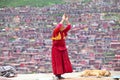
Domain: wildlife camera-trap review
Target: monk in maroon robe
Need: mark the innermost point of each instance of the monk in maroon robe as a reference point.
(60, 60)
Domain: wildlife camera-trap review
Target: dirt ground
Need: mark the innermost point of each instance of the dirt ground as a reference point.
(76, 76)
(90, 79)
(50, 76)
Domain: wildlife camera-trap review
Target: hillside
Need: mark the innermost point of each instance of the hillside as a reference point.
(35, 3)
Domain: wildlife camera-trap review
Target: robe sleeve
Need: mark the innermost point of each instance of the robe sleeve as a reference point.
(67, 28)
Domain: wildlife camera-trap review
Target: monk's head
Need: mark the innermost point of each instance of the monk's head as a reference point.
(62, 28)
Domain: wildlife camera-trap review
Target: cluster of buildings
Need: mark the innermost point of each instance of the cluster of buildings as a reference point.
(93, 42)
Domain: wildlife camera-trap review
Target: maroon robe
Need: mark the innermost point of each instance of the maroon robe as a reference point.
(60, 60)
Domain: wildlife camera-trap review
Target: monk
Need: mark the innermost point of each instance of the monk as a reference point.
(60, 60)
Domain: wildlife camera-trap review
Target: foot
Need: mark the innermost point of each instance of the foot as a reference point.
(60, 77)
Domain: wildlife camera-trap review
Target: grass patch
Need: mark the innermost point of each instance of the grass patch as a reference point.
(112, 16)
(34, 3)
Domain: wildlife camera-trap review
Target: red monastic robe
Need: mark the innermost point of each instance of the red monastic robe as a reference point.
(60, 60)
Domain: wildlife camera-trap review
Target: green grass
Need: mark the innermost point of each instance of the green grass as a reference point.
(86, 1)
(34, 3)
(112, 16)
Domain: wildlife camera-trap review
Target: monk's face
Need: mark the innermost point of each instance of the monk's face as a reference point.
(62, 28)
